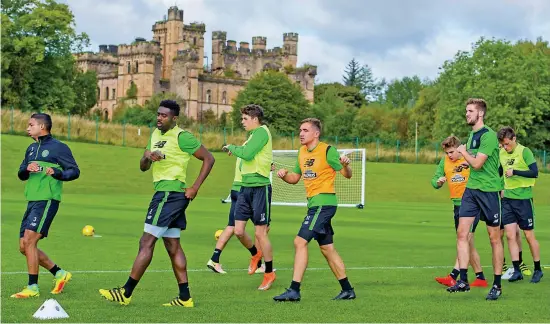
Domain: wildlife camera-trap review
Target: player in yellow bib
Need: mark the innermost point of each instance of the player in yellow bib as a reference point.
(520, 171)
(168, 153)
(254, 199)
(453, 171)
(317, 164)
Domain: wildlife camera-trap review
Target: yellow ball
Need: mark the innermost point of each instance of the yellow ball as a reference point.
(88, 230)
(217, 234)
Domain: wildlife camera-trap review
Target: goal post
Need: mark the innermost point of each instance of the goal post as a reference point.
(350, 192)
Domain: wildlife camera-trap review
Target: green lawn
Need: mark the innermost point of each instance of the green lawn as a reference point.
(393, 249)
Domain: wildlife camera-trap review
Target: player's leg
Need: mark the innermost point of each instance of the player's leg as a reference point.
(526, 222)
(450, 279)
(227, 233)
(261, 208)
(179, 264)
(490, 204)
(469, 209)
(509, 221)
(243, 212)
(475, 262)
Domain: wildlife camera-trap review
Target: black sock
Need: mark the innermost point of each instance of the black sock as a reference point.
(537, 265)
(55, 269)
(216, 256)
(454, 274)
(520, 257)
(345, 284)
(497, 281)
(129, 286)
(480, 276)
(253, 250)
(464, 275)
(33, 279)
(294, 285)
(516, 265)
(259, 263)
(268, 266)
(184, 291)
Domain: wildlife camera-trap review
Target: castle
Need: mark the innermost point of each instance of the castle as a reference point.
(173, 61)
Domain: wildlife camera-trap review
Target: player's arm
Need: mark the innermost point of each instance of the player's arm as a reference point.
(249, 150)
(339, 163)
(68, 164)
(189, 143)
(439, 177)
(529, 159)
(148, 158)
(488, 144)
(23, 174)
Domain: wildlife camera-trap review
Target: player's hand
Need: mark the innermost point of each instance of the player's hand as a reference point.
(344, 160)
(191, 193)
(50, 171)
(502, 194)
(225, 148)
(282, 173)
(441, 181)
(509, 173)
(461, 149)
(156, 156)
(33, 167)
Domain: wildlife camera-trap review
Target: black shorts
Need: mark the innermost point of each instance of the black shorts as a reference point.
(474, 225)
(39, 217)
(519, 211)
(254, 203)
(234, 196)
(167, 209)
(485, 204)
(317, 225)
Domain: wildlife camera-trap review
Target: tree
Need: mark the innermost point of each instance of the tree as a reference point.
(131, 92)
(335, 113)
(283, 101)
(352, 74)
(84, 86)
(514, 79)
(361, 77)
(38, 38)
(404, 92)
(351, 95)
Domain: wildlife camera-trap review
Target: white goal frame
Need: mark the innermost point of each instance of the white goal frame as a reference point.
(360, 204)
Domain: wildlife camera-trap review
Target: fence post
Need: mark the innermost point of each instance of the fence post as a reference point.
(356, 142)
(224, 137)
(416, 151)
(544, 160)
(96, 129)
(69, 127)
(377, 146)
(397, 151)
(11, 121)
(124, 133)
(336, 140)
(292, 141)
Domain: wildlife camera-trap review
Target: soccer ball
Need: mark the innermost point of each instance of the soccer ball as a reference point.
(217, 234)
(88, 230)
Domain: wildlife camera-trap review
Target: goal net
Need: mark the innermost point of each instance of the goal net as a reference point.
(350, 192)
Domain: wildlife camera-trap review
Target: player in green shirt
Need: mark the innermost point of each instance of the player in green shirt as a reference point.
(254, 200)
(481, 196)
(520, 171)
(168, 153)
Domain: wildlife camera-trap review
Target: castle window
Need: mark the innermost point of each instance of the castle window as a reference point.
(128, 67)
(114, 94)
(208, 96)
(105, 115)
(137, 67)
(106, 93)
(224, 97)
(194, 40)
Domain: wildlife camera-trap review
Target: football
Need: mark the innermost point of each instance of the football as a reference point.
(217, 234)
(88, 230)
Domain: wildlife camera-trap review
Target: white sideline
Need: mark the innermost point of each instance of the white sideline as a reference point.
(235, 269)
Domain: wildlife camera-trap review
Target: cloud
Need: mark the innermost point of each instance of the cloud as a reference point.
(395, 38)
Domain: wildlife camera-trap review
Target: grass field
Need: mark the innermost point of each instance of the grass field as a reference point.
(393, 249)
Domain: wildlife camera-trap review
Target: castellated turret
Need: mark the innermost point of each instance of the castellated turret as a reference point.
(259, 43)
(290, 49)
(218, 44)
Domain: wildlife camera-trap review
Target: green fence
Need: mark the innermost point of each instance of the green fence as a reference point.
(76, 128)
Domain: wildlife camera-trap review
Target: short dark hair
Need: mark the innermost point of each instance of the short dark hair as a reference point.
(43, 119)
(506, 132)
(313, 121)
(479, 103)
(451, 141)
(172, 105)
(253, 110)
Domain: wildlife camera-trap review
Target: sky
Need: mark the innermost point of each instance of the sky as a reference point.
(395, 38)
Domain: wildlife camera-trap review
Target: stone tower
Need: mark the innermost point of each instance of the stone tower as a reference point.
(169, 34)
(139, 63)
(218, 45)
(290, 49)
